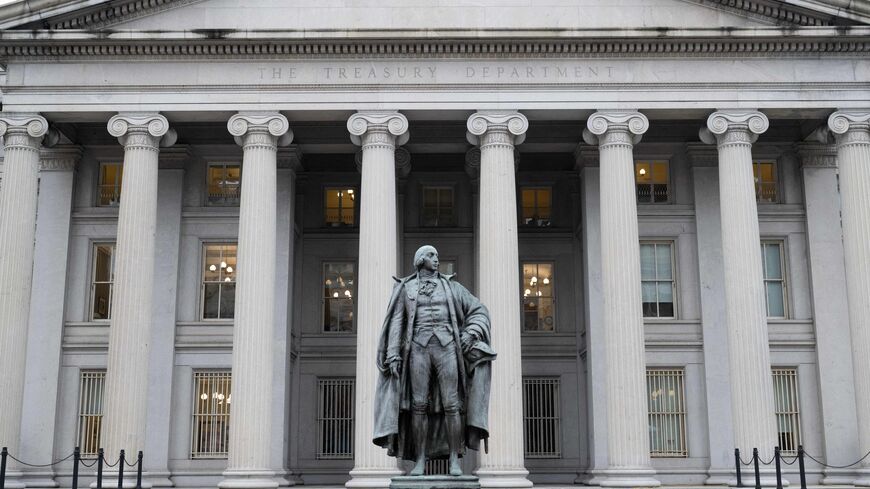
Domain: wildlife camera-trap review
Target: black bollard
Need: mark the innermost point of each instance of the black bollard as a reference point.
(801, 467)
(139, 470)
(757, 473)
(3, 454)
(778, 468)
(100, 468)
(121, 470)
(737, 465)
(77, 455)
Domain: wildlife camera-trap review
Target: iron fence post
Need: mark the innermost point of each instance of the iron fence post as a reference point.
(737, 467)
(121, 463)
(801, 467)
(3, 454)
(757, 473)
(778, 468)
(139, 470)
(75, 475)
(100, 468)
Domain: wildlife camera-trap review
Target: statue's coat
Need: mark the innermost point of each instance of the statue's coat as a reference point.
(392, 400)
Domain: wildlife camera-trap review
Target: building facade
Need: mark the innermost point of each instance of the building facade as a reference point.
(663, 203)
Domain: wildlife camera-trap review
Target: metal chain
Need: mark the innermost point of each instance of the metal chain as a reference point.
(793, 460)
(107, 464)
(836, 466)
(42, 465)
(93, 462)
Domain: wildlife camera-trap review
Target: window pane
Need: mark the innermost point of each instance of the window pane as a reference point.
(643, 173)
(103, 263)
(102, 300)
(647, 262)
(228, 300)
(101, 282)
(775, 303)
(772, 261)
(544, 204)
(218, 278)
(663, 262)
(545, 314)
(211, 301)
(338, 294)
(110, 184)
(660, 172)
(339, 206)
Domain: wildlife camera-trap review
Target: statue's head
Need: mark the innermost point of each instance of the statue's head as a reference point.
(426, 257)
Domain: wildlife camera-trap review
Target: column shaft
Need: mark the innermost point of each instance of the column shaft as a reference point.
(18, 198)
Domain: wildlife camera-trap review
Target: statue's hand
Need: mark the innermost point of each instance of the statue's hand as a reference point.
(396, 368)
(468, 341)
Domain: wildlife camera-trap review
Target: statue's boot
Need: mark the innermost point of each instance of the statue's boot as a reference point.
(420, 426)
(454, 439)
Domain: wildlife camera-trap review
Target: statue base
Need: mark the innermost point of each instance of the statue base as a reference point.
(435, 482)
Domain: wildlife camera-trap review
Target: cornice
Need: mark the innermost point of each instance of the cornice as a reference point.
(291, 44)
(767, 11)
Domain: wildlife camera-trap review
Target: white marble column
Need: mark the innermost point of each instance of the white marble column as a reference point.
(378, 133)
(126, 400)
(22, 137)
(852, 131)
(497, 133)
(249, 465)
(45, 332)
(615, 133)
(745, 311)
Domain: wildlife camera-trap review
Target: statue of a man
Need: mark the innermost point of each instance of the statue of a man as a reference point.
(434, 355)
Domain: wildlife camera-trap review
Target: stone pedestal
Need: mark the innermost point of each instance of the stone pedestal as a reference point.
(249, 464)
(435, 482)
(615, 134)
(497, 133)
(378, 133)
(22, 137)
(745, 312)
(852, 131)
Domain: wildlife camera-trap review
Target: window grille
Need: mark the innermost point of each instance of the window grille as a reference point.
(657, 279)
(224, 184)
(338, 293)
(652, 182)
(339, 206)
(102, 280)
(787, 407)
(109, 187)
(773, 265)
(219, 280)
(538, 301)
(764, 173)
(537, 206)
(438, 206)
(667, 412)
(91, 386)
(335, 411)
(541, 418)
(210, 433)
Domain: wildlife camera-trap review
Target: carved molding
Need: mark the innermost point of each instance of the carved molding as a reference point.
(260, 128)
(496, 127)
(59, 158)
(702, 155)
(734, 127)
(290, 158)
(779, 13)
(615, 127)
(814, 155)
(586, 156)
(366, 127)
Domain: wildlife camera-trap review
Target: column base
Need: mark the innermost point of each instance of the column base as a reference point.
(14, 479)
(863, 479)
(592, 477)
(42, 478)
(372, 478)
(284, 478)
(627, 477)
(248, 479)
(720, 477)
(110, 479)
(158, 479)
(838, 477)
(504, 478)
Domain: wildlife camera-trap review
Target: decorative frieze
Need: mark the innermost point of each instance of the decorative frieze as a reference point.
(59, 158)
(814, 155)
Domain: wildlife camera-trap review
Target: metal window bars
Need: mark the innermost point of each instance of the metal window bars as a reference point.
(211, 414)
(335, 411)
(541, 417)
(91, 387)
(667, 412)
(787, 409)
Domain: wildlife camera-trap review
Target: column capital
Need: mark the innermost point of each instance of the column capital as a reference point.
(377, 127)
(260, 129)
(496, 127)
(850, 126)
(814, 155)
(25, 130)
(59, 158)
(615, 127)
(734, 127)
(142, 129)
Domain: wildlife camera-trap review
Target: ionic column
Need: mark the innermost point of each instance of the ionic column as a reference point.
(497, 133)
(249, 462)
(378, 133)
(22, 137)
(852, 132)
(615, 134)
(130, 330)
(745, 310)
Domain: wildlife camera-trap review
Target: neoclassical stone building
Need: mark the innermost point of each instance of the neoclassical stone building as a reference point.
(665, 204)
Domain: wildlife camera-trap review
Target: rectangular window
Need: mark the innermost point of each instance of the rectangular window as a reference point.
(773, 265)
(224, 184)
(102, 278)
(447, 267)
(541, 418)
(91, 387)
(338, 292)
(538, 301)
(438, 207)
(537, 206)
(109, 188)
(765, 181)
(667, 412)
(335, 408)
(657, 279)
(219, 280)
(210, 430)
(787, 407)
(338, 203)
(652, 180)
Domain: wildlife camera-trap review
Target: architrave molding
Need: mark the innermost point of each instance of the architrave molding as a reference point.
(59, 158)
(816, 155)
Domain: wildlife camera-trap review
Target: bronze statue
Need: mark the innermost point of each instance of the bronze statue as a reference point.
(434, 355)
